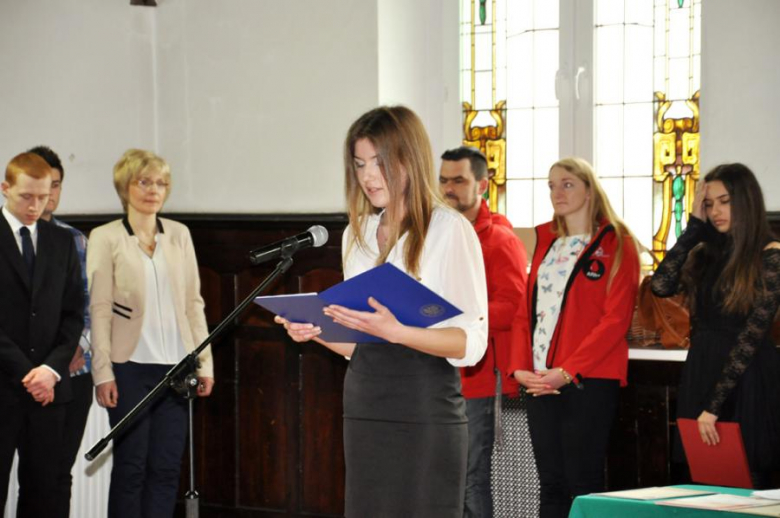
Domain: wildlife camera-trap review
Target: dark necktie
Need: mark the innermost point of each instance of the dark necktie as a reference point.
(28, 252)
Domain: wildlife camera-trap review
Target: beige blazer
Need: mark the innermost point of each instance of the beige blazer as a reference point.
(117, 293)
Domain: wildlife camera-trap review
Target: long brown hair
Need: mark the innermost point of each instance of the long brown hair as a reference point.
(741, 281)
(406, 162)
(600, 209)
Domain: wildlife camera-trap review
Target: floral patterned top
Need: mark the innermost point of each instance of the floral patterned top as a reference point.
(554, 273)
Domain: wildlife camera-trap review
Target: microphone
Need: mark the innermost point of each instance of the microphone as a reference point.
(315, 236)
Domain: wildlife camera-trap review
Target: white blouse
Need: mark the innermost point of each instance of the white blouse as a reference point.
(554, 273)
(160, 341)
(451, 266)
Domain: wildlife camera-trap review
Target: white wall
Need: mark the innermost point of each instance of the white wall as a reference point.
(255, 98)
(418, 64)
(250, 99)
(740, 100)
(78, 76)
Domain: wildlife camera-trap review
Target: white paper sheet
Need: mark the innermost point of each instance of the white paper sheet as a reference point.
(718, 502)
(654, 493)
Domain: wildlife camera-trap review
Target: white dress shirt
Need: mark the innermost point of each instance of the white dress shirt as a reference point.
(161, 341)
(451, 266)
(16, 225)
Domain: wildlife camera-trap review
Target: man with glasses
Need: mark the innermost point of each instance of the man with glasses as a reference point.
(41, 318)
(77, 410)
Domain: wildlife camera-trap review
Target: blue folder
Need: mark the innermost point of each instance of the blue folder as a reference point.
(412, 303)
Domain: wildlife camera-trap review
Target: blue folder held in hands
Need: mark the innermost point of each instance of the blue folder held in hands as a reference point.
(412, 303)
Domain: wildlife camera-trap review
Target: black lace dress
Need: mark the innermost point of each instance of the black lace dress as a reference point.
(733, 368)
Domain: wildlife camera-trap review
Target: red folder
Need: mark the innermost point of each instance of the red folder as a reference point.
(724, 464)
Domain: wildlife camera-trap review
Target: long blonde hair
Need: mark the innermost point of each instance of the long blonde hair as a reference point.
(404, 153)
(600, 209)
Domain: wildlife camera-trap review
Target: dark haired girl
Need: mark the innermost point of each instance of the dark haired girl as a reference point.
(728, 264)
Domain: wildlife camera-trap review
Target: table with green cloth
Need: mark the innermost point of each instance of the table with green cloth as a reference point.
(594, 506)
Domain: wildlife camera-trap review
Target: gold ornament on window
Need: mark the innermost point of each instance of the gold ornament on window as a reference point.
(675, 167)
(491, 140)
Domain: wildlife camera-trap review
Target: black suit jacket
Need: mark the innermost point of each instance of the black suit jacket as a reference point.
(40, 321)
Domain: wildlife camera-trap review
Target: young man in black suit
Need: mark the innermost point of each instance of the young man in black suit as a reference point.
(41, 318)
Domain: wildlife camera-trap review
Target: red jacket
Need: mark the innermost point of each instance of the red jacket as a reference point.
(505, 268)
(590, 338)
(500, 219)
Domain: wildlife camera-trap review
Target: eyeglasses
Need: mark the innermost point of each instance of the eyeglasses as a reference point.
(147, 183)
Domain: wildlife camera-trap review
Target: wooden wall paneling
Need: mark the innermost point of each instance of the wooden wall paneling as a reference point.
(269, 441)
(623, 445)
(653, 461)
(263, 425)
(653, 387)
(215, 427)
(640, 452)
(320, 413)
(215, 417)
(264, 420)
(321, 410)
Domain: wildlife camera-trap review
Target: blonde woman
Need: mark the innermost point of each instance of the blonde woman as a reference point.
(574, 356)
(405, 428)
(147, 314)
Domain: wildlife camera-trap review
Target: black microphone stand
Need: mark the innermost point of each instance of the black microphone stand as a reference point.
(181, 377)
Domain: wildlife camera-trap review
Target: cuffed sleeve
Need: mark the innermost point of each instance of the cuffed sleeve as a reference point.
(462, 272)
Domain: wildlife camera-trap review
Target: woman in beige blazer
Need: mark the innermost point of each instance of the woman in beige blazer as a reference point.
(147, 314)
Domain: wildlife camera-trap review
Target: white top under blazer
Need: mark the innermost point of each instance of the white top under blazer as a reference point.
(118, 293)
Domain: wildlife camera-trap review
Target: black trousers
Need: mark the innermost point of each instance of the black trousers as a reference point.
(570, 435)
(76, 413)
(147, 455)
(36, 433)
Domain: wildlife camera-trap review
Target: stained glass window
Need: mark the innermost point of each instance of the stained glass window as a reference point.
(510, 109)
(529, 97)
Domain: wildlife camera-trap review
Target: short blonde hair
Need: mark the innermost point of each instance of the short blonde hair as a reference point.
(29, 164)
(132, 165)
